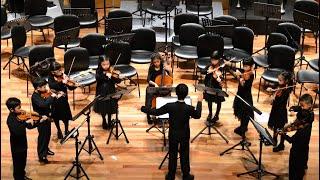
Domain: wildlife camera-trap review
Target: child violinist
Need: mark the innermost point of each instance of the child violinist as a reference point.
(58, 81)
(156, 68)
(242, 111)
(299, 152)
(213, 80)
(18, 137)
(42, 100)
(106, 81)
(279, 116)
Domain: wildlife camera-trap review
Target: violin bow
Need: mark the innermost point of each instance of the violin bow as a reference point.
(71, 66)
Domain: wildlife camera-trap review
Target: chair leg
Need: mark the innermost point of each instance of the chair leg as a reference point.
(73, 100)
(315, 99)
(7, 42)
(9, 61)
(138, 84)
(195, 81)
(31, 37)
(27, 85)
(44, 37)
(301, 90)
(97, 27)
(259, 90)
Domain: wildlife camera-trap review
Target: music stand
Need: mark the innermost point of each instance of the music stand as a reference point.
(116, 26)
(217, 92)
(120, 38)
(91, 144)
(65, 37)
(244, 143)
(139, 10)
(115, 123)
(265, 137)
(305, 21)
(76, 164)
(268, 11)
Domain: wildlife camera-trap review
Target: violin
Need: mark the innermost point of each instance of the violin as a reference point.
(112, 72)
(65, 79)
(24, 116)
(46, 94)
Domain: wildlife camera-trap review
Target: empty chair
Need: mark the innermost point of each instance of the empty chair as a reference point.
(292, 32)
(314, 64)
(36, 11)
(280, 58)
(6, 28)
(207, 44)
(113, 51)
(95, 45)
(66, 29)
(188, 38)
(143, 44)
(179, 20)
(242, 42)
(200, 8)
(307, 76)
(273, 39)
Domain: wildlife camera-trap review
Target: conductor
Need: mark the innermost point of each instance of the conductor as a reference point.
(179, 131)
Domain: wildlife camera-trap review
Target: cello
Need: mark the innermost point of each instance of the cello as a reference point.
(163, 80)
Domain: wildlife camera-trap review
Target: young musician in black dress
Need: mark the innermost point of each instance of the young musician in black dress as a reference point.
(18, 138)
(179, 131)
(279, 116)
(41, 103)
(156, 68)
(299, 152)
(213, 80)
(241, 110)
(106, 82)
(60, 108)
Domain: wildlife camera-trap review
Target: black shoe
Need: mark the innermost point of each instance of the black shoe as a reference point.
(169, 177)
(306, 166)
(109, 126)
(104, 125)
(238, 131)
(44, 160)
(27, 178)
(59, 134)
(280, 147)
(51, 153)
(215, 119)
(209, 117)
(188, 177)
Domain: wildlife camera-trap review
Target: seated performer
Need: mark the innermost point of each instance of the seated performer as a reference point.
(179, 131)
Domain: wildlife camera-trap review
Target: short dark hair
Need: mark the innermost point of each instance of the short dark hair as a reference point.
(307, 98)
(12, 103)
(248, 61)
(182, 91)
(215, 55)
(38, 82)
(55, 66)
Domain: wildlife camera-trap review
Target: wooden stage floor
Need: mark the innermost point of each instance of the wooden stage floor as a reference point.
(140, 158)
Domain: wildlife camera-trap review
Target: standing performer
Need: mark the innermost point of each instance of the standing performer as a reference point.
(42, 100)
(213, 80)
(299, 152)
(155, 69)
(18, 138)
(279, 116)
(242, 111)
(179, 131)
(106, 81)
(60, 108)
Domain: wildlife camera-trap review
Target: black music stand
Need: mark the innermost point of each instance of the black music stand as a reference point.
(115, 123)
(305, 21)
(244, 143)
(91, 144)
(268, 11)
(265, 138)
(160, 90)
(65, 37)
(139, 10)
(208, 126)
(117, 26)
(76, 164)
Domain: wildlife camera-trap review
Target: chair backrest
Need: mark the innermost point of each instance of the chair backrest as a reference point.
(200, 2)
(183, 19)
(83, 4)
(161, 4)
(243, 39)
(208, 43)
(65, 22)
(94, 43)
(4, 17)
(19, 37)
(292, 32)
(189, 33)
(143, 39)
(308, 6)
(229, 19)
(119, 22)
(276, 38)
(39, 53)
(115, 48)
(81, 61)
(35, 7)
(281, 56)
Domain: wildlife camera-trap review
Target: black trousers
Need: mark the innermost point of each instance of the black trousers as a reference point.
(297, 162)
(19, 160)
(44, 130)
(184, 157)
